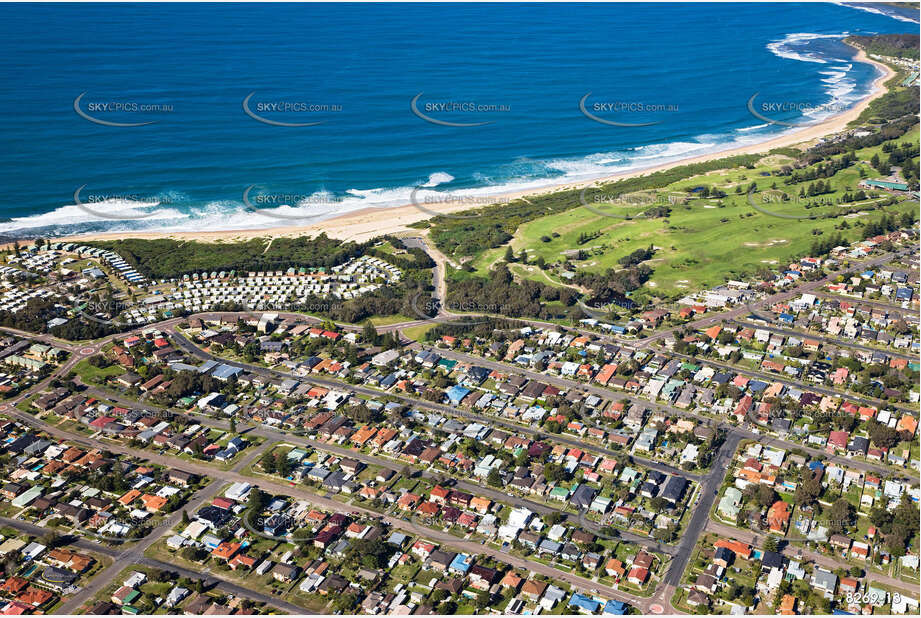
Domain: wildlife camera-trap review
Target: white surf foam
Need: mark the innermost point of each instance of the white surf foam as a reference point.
(114, 209)
(752, 128)
(878, 11)
(791, 46)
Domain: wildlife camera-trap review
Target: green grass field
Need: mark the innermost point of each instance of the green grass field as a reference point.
(704, 241)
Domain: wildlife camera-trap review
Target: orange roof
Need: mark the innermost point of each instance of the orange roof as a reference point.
(407, 500)
(428, 508)
(788, 605)
(34, 596)
(80, 563)
(778, 515)
(226, 550)
(153, 503)
(614, 565)
(14, 584)
(384, 436)
(713, 332)
(480, 504)
(247, 561)
(72, 454)
(363, 435)
(736, 547)
(130, 497)
(511, 580)
(438, 492)
(751, 476)
(639, 573)
(355, 528)
(907, 423)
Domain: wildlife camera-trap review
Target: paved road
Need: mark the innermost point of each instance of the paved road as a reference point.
(332, 505)
(663, 408)
(134, 553)
(891, 307)
(439, 277)
(709, 487)
(843, 343)
(194, 350)
(797, 553)
(773, 377)
(274, 436)
(209, 580)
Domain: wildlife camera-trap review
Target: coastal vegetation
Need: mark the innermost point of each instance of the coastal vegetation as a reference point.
(494, 225)
(893, 45)
(690, 226)
(165, 258)
(735, 219)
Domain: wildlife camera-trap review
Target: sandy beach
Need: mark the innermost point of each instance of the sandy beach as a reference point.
(361, 225)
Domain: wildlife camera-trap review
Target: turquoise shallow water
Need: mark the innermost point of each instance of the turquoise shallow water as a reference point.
(350, 73)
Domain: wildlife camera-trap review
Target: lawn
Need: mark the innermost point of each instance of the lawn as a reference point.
(704, 241)
(96, 375)
(416, 333)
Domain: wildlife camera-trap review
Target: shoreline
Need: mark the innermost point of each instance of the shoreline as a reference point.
(364, 224)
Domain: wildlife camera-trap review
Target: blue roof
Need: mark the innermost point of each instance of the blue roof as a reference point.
(580, 600)
(786, 317)
(457, 392)
(461, 563)
(617, 608)
(225, 371)
(816, 465)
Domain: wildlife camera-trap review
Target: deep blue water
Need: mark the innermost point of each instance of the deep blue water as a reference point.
(694, 68)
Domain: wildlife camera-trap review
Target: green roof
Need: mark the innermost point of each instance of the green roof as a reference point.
(885, 184)
(560, 492)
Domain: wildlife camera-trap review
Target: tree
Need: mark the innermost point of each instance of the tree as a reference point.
(257, 500)
(267, 463)
(771, 544)
(808, 491)
(494, 478)
(345, 602)
(369, 333)
(554, 473)
(883, 436)
(840, 516)
(766, 496)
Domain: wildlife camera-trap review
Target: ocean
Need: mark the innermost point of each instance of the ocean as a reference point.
(220, 117)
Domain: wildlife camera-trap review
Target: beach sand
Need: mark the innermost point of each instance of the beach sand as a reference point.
(361, 225)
